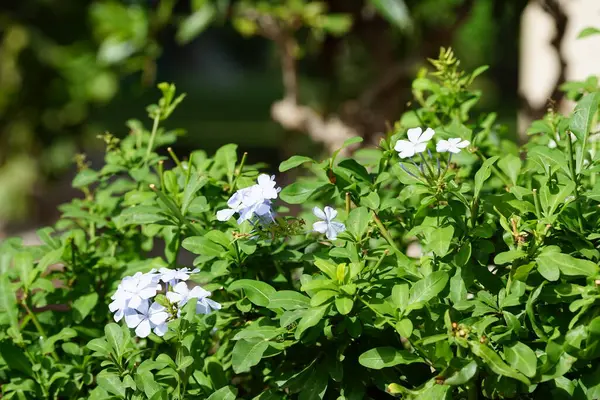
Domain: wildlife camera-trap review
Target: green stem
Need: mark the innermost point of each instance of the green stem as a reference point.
(174, 157)
(536, 202)
(152, 137)
(386, 234)
(376, 266)
(348, 203)
(474, 211)
(161, 170)
(432, 176)
(576, 180)
(238, 172)
(189, 170)
(390, 323)
(37, 324)
(495, 170)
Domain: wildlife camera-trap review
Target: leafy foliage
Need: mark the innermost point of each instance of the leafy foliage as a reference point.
(499, 302)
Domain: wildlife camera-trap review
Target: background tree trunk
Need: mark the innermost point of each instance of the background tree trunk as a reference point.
(551, 54)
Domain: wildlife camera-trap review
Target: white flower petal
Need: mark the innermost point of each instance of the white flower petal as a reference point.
(148, 292)
(420, 147)
(135, 302)
(161, 329)
(331, 233)
(198, 293)
(331, 213)
(174, 297)
(213, 304)
(320, 227)
(442, 146)
(133, 318)
(143, 329)
(202, 308)
(225, 214)
(338, 226)
(319, 213)
(406, 153)
(427, 135)
(414, 134)
(403, 145)
(119, 315)
(159, 317)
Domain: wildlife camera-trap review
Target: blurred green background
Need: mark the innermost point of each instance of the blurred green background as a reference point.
(73, 69)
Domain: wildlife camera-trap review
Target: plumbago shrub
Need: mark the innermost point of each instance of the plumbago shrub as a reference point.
(444, 263)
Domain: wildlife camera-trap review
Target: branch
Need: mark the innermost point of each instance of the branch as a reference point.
(331, 132)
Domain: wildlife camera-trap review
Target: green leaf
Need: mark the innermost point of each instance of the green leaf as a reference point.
(440, 240)
(190, 191)
(83, 305)
(145, 381)
(589, 31)
(568, 265)
(311, 318)
(247, 353)
(371, 201)
(195, 23)
(9, 313)
(463, 375)
(225, 161)
(395, 11)
(84, 178)
(495, 363)
(64, 334)
(581, 123)
(225, 393)
(288, 300)
(100, 346)
(509, 256)
(15, 358)
(114, 337)
(522, 358)
(483, 174)
(111, 383)
(551, 200)
(549, 270)
(404, 327)
(358, 221)
(344, 305)
(300, 191)
(326, 266)
(400, 294)
(316, 385)
(511, 166)
(382, 357)
(293, 162)
(141, 215)
(24, 265)
(202, 245)
(355, 169)
(256, 291)
(546, 157)
(426, 289)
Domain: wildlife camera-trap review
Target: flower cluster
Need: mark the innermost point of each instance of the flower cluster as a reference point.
(327, 226)
(252, 203)
(135, 299)
(417, 143)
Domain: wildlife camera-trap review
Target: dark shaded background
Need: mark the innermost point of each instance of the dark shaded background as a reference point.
(56, 94)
